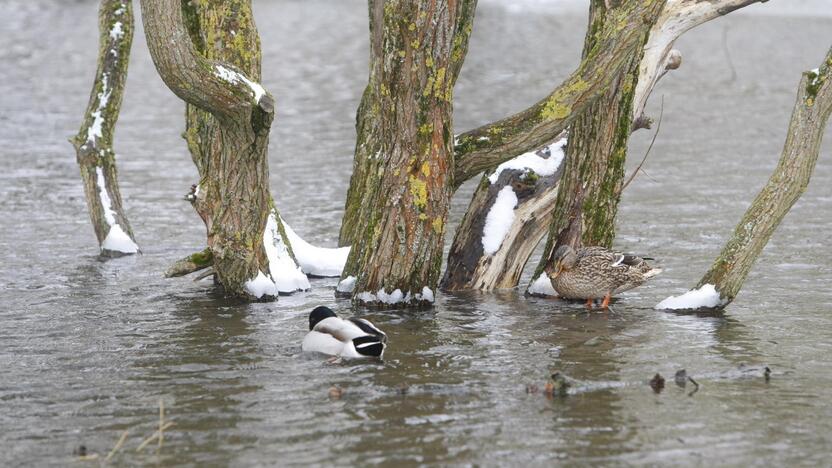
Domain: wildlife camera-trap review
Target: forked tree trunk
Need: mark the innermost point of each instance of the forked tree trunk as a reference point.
(615, 42)
(596, 160)
(232, 197)
(785, 186)
(486, 147)
(417, 49)
(94, 141)
(225, 31)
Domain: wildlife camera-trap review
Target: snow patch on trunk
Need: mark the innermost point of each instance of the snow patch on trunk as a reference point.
(316, 261)
(234, 77)
(117, 240)
(542, 286)
(498, 221)
(286, 274)
(260, 286)
(705, 297)
(532, 162)
(395, 297)
(346, 285)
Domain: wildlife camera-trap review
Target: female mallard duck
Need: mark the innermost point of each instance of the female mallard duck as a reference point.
(595, 272)
(350, 338)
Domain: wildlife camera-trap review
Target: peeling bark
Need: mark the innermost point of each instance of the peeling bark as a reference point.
(212, 62)
(785, 186)
(94, 141)
(406, 137)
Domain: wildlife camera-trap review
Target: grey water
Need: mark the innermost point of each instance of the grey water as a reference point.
(89, 347)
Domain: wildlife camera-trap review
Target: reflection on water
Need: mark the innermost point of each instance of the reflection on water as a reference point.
(88, 348)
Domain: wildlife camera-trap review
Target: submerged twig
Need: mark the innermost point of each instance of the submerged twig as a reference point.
(118, 445)
(161, 424)
(154, 435)
(696, 386)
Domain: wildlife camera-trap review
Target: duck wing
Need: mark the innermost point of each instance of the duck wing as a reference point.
(368, 328)
(322, 343)
(340, 329)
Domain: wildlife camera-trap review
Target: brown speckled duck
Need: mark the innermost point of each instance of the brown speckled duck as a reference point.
(595, 272)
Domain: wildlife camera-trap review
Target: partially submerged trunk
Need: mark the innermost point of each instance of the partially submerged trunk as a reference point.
(723, 281)
(230, 147)
(226, 32)
(511, 207)
(94, 141)
(406, 137)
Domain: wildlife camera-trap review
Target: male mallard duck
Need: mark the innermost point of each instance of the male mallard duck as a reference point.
(350, 338)
(595, 272)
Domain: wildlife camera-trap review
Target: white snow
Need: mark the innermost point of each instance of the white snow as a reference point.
(117, 240)
(427, 294)
(704, 297)
(317, 261)
(542, 286)
(532, 162)
(395, 297)
(499, 219)
(260, 286)
(287, 275)
(117, 32)
(234, 77)
(95, 130)
(346, 285)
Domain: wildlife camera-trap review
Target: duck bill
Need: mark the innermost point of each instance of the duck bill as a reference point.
(558, 270)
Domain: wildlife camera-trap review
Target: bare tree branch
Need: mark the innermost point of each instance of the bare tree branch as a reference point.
(490, 145)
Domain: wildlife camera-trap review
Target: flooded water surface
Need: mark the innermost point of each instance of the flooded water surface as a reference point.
(89, 347)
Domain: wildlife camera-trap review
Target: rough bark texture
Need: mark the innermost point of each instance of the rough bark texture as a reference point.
(213, 64)
(783, 189)
(597, 152)
(417, 49)
(94, 141)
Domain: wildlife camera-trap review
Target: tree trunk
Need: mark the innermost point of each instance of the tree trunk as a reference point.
(230, 151)
(417, 49)
(599, 139)
(94, 141)
(486, 147)
(785, 186)
(510, 208)
(614, 43)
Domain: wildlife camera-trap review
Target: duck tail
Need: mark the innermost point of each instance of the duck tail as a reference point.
(652, 272)
(369, 346)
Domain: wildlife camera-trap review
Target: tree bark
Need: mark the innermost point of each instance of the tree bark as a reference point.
(785, 186)
(596, 160)
(406, 136)
(614, 43)
(230, 147)
(94, 141)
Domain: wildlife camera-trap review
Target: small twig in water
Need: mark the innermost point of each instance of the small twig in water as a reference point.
(161, 424)
(154, 436)
(118, 445)
(647, 153)
(696, 386)
(728, 55)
